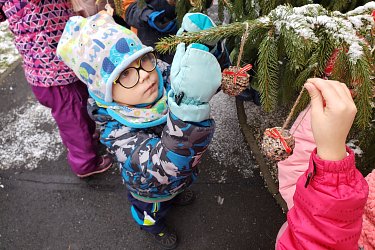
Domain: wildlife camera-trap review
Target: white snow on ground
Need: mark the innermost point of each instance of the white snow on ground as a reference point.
(8, 53)
(228, 145)
(24, 142)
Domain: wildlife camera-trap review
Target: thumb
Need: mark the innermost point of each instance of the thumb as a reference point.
(176, 63)
(316, 97)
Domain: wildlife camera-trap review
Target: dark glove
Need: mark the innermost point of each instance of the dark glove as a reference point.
(161, 23)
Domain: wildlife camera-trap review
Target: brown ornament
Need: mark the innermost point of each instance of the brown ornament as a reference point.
(277, 144)
(235, 80)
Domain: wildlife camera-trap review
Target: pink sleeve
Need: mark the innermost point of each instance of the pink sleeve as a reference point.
(367, 239)
(295, 165)
(328, 206)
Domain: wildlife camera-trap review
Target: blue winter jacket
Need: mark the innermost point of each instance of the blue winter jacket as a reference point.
(156, 163)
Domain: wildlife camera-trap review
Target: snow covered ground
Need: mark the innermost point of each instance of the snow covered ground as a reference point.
(36, 135)
(8, 53)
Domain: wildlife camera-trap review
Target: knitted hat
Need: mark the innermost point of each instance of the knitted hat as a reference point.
(98, 50)
(367, 238)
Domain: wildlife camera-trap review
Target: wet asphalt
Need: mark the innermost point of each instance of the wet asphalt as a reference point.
(50, 208)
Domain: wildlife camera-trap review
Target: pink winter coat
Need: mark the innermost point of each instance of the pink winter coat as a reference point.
(367, 239)
(290, 169)
(37, 26)
(327, 207)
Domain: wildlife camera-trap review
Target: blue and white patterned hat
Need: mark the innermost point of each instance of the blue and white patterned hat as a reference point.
(98, 50)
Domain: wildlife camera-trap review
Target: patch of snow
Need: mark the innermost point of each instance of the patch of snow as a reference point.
(8, 52)
(362, 9)
(355, 52)
(24, 142)
(356, 149)
(304, 21)
(228, 145)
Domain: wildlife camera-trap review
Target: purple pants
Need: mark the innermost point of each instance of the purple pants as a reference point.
(68, 106)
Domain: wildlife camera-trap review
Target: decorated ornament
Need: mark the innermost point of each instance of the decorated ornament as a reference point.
(278, 142)
(235, 79)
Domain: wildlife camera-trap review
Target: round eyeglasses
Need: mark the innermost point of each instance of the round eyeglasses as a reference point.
(130, 76)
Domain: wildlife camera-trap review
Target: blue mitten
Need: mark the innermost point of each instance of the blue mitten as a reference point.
(158, 21)
(195, 77)
(195, 22)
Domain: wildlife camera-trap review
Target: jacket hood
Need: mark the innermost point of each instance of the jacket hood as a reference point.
(98, 50)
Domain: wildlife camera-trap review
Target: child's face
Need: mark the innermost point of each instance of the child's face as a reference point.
(138, 83)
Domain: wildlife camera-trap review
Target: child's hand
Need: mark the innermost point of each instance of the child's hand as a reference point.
(161, 23)
(332, 120)
(195, 77)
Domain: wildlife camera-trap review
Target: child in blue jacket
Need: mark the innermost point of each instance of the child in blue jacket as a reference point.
(158, 136)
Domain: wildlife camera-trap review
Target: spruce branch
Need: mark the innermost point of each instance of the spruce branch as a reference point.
(340, 71)
(303, 21)
(360, 72)
(169, 44)
(268, 72)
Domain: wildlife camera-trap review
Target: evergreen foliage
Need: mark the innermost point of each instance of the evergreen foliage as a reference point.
(308, 36)
(287, 45)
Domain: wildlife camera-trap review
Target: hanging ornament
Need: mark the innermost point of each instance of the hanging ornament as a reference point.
(235, 79)
(278, 143)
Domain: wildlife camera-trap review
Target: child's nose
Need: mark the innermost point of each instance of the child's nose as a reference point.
(143, 75)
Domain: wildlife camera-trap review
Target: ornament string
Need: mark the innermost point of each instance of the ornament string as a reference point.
(302, 118)
(274, 133)
(243, 41)
(242, 71)
(292, 110)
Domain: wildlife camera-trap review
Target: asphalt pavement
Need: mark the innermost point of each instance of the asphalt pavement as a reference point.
(43, 205)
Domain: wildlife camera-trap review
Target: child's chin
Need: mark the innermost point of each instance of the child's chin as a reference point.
(153, 97)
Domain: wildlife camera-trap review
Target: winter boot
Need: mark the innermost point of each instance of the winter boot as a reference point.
(105, 162)
(185, 198)
(166, 238)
